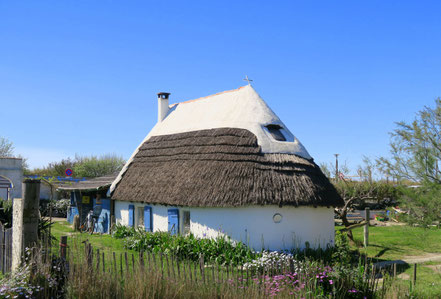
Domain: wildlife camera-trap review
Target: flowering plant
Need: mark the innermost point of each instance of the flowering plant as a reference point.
(272, 260)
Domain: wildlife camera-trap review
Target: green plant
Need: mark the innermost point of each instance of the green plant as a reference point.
(44, 230)
(221, 250)
(6, 213)
(121, 231)
(342, 252)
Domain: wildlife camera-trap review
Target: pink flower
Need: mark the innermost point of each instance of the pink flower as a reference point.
(330, 281)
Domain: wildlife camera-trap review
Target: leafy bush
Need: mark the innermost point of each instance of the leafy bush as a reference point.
(121, 231)
(270, 260)
(423, 204)
(221, 250)
(59, 207)
(342, 253)
(6, 212)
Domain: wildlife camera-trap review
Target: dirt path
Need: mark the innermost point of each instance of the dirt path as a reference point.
(411, 259)
(58, 219)
(429, 257)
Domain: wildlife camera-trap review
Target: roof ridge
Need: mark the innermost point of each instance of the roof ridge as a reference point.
(212, 95)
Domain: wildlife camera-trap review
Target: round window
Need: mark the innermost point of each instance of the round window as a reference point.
(277, 218)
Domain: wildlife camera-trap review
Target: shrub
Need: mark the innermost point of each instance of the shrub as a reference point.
(221, 250)
(6, 212)
(342, 253)
(270, 260)
(121, 231)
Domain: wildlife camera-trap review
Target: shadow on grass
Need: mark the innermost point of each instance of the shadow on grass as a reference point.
(382, 251)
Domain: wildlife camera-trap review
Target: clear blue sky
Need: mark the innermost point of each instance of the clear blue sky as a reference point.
(82, 76)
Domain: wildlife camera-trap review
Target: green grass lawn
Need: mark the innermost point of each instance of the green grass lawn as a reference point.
(396, 242)
(98, 241)
(428, 284)
(102, 242)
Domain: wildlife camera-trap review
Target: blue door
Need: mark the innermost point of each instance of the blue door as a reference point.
(148, 223)
(173, 221)
(131, 215)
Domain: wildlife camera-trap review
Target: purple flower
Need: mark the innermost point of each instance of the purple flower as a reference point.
(331, 282)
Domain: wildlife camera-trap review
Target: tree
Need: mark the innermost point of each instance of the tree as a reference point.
(356, 192)
(55, 168)
(415, 151)
(84, 166)
(415, 148)
(94, 166)
(328, 169)
(6, 148)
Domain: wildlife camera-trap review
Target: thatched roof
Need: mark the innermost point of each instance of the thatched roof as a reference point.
(222, 167)
(94, 184)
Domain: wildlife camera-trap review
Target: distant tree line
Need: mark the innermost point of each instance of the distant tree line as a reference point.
(83, 166)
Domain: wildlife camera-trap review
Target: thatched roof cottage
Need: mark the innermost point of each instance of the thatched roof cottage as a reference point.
(226, 164)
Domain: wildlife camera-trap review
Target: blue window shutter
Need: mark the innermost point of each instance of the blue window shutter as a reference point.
(173, 221)
(148, 219)
(131, 215)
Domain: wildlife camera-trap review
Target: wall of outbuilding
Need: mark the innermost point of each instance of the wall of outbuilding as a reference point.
(12, 168)
(252, 225)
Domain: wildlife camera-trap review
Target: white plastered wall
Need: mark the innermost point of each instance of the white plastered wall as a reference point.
(252, 225)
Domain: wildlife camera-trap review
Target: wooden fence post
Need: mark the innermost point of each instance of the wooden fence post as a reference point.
(127, 262)
(162, 264)
(89, 254)
(184, 276)
(177, 267)
(366, 227)
(414, 274)
(173, 266)
(114, 263)
(168, 266)
(212, 274)
(195, 272)
(2, 248)
(63, 247)
(97, 260)
(202, 266)
(141, 261)
(121, 263)
(104, 263)
(154, 261)
(189, 271)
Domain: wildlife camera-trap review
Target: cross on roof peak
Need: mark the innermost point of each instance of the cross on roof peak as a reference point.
(248, 80)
